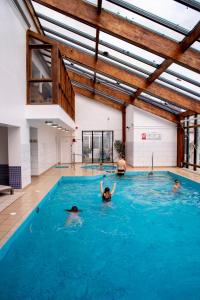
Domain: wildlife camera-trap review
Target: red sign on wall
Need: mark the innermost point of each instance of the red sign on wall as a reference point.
(144, 136)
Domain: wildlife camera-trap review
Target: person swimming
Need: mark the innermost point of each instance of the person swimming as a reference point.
(73, 217)
(176, 186)
(121, 166)
(106, 193)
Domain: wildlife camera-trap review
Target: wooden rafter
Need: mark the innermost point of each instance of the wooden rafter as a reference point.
(123, 97)
(156, 89)
(99, 6)
(33, 16)
(155, 110)
(131, 79)
(100, 87)
(126, 30)
(184, 45)
(186, 114)
(191, 38)
(98, 98)
(96, 50)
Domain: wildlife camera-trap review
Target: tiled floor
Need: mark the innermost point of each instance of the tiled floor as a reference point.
(17, 212)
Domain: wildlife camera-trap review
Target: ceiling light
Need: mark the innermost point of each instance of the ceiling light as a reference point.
(49, 123)
(54, 125)
(59, 127)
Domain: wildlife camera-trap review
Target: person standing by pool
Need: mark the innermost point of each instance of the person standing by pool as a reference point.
(176, 186)
(73, 217)
(106, 193)
(121, 166)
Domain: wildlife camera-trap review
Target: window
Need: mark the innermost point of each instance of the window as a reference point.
(97, 146)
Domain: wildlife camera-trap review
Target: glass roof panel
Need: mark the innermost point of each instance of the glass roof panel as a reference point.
(133, 17)
(117, 83)
(67, 33)
(64, 19)
(186, 72)
(190, 88)
(70, 43)
(122, 66)
(169, 10)
(127, 47)
(162, 102)
(127, 59)
(94, 2)
(196, 46)
(177, 89)
(78, 67)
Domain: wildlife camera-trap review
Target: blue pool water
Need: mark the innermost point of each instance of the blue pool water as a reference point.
(98, 167)
(146, 246)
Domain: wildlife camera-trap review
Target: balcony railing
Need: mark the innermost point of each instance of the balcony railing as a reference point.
(47, 78)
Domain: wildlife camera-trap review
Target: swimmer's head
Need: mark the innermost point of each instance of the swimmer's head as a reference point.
(74, 209)
(107, 190)
(176, 181)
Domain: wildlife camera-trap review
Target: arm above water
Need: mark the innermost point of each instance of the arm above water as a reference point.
(101, 187)
(113, 189)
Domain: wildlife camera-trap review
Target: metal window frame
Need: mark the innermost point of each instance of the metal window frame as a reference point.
(102, 132)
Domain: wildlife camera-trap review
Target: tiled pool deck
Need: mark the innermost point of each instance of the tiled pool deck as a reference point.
(17, 212)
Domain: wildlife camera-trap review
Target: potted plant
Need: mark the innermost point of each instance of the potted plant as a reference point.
(120, 148)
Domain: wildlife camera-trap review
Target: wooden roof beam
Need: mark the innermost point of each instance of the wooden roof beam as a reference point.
(124, 97)
(186, 113)
(156, 110)
(98, 98)
(123, 29)
(99, 6)
(131, 79)
(191, 38)
(100, 87)
(32, 13)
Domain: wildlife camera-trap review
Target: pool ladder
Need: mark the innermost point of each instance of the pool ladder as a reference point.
(152, 165)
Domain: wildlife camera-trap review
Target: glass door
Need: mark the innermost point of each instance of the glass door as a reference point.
(87, 146)
(107, 146)
(97, 146)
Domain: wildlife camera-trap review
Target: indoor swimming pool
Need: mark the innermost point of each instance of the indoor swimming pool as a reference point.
(145, 245)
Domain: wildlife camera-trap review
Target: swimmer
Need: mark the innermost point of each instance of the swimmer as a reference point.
(73, 217)
(106, 193)
(176, 186)
(121, 166)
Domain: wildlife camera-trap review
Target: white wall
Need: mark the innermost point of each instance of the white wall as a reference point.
(13, 87)
(34, 150)
(66, 149)
(13, 95)
(91, 115)
(12, 66)
(3, 146)
(163, 149)
(52, 147)
(47, 155)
